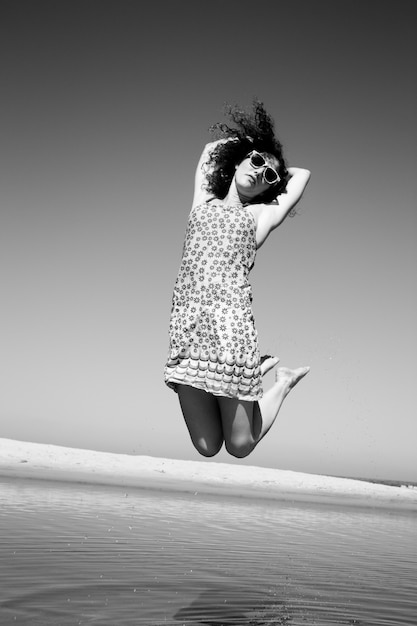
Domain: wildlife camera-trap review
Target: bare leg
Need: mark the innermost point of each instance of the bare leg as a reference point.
(203, 420)
(246, 423)
(266, 412)
(267, 363)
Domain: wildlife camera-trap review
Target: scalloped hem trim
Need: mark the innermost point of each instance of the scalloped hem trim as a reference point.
(172, 383)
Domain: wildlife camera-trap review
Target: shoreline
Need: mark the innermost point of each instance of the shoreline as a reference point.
(27, 460)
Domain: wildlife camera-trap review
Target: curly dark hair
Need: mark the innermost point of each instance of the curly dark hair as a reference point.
(253, 130)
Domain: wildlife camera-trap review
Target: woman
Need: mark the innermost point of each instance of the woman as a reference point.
(243, 191)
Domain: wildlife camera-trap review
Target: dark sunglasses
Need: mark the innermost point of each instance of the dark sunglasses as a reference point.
(269, 175)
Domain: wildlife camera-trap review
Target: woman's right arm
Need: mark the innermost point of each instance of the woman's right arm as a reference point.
(201, 194)
(200, 179)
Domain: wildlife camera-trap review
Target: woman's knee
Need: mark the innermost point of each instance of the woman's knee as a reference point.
(207, 448)
(237, 417)
(203, 420)
(240, 448)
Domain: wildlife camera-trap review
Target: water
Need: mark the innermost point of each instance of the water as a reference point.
(75, 554)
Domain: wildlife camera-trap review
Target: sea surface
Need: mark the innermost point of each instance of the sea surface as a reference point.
(75, 555)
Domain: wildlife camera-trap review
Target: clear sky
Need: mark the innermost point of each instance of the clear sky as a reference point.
(104, 111)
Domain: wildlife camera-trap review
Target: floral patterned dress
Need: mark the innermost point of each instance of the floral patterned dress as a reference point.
(213, 340)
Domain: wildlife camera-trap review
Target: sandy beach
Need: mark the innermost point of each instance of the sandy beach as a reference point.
(50, 462)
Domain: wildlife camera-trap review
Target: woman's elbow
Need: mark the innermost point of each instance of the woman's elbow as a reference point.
(299, 171)
(304, 172)
(304, 176)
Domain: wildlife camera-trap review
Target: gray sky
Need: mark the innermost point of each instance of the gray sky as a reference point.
(105, 109)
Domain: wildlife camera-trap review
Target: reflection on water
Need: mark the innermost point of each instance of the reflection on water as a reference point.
(72, 554)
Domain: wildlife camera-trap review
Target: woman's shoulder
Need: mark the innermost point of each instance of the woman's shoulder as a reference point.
(206, 202)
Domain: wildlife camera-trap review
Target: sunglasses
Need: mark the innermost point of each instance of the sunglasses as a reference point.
(269, 175)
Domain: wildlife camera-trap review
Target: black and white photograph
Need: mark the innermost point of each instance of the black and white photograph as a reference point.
(208, 252)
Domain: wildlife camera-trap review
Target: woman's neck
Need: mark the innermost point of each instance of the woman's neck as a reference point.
(234, 198)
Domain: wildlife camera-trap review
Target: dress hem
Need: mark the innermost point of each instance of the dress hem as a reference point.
(173, 384)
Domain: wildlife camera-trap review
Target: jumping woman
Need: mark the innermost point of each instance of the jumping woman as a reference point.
(243, 191)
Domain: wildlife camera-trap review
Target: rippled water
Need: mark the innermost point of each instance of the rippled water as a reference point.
(72, 554)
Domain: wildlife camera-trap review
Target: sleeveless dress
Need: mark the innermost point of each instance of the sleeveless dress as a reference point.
(213, 340)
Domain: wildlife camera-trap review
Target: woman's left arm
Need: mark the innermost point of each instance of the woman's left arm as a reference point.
(269, 216)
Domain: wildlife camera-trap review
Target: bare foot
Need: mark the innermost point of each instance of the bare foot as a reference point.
(289, 378)
(267, 363)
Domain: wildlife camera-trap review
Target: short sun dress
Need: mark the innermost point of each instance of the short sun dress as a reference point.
(213, 339)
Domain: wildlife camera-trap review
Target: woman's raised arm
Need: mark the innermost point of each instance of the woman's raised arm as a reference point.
(200, 193)
(203, 169)
(269, 216)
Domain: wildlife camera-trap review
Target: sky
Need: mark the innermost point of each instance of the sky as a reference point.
(105, 109)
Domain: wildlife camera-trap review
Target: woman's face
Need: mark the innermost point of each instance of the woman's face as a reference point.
(251, 180)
